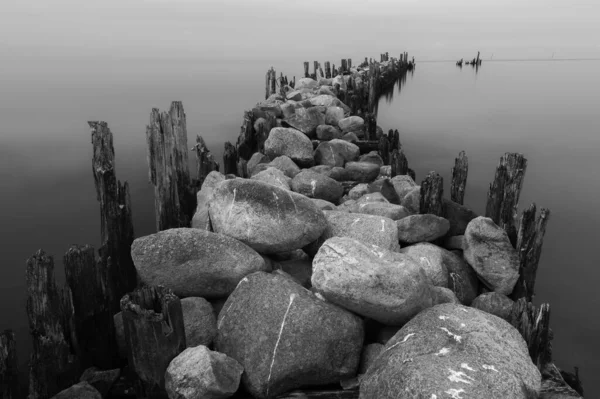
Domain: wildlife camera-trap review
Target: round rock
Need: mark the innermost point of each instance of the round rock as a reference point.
(292, 143)
(317, 185)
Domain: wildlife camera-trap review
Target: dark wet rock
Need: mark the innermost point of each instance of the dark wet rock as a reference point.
(372, 157)
(317, 185)
(363, 172)
(454, 242)
(420, 228)
(459, 217)
(292, 143)
(102, 380)
(494, 303)
(387, 189)
(368, 356)
(327, 132)
(199, 320)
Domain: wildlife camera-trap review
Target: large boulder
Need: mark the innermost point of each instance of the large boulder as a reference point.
(419, 228)
(267, 218)
(199, 321)
(368, 229)
(323, 205)
(81, 390)
(286, 337)
(292, 143)
(199, 373)
(489, 252)
(327, 132)
(201, 220)
(336, 152)
(403, 184)
(494, 303)
(324, 100)
(306, 83)
(452, 351)
(351, 124)
(372, 157)
(306, 120)
(412, 200)
(431, 258)
(286, 165)
(256, 159)
(194, 262)
(386, 188)
(273, 176)
(333, 116)
(386, 286)
(363, 172)
(317, 185)
(394, 212)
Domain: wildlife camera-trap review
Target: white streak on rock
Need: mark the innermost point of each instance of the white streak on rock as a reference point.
(463, 325)
(466, 366)
(355, 221)
(382, 225)
(456, 337)
(455, 393)
(441, 317)
(488, 367)
(313, 185)
(401, 342)
(459, 376)
(292, 297)
(224, 313)
(433, 396)
(231, 206)
(293, 202)
(443, 351)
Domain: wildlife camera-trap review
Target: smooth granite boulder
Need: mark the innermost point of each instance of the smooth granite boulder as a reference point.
(256, 159)
(403, 184)
(286, 165)
(324, 100)
(372, 157)
(363, 172)
(201, 219)
(306, 83)
(286, 337)
(317, 185)
(350, 137)
(358, 191)
(443, 295)
(489, 252)
(431, 258)
(199, 373)
(412, 199)
(494, 303)
(267, 218)
(81, 390)
(336, 153)
(323, 205)
(273, 176)
(327, 132)
(194, 262)
(351, 124)
(419, 228)
(306, 120)
(453, 351)
(386, 286)
(394, 212)
(292, 143)
(334, 115)
(199, 321)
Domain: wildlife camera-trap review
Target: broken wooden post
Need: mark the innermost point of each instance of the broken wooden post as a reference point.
(306, 66)
(534, 325)
(154, 335)
(399, 162)
(334, 72)
(316, 68)
(273, 82)
(53, 364)
(327, 70)
(267, 84)
(9, 367)
(504, 192)
(87, 280)
(459, 178)
(530, 239)
(205, 161)
(344, 66)
(370, 127)
(349, 64)
(169, 172)
(230, 159)
(432, 190)
(384, 149)
(116, 221)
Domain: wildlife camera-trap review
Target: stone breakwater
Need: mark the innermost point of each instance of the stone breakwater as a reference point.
(318, 270)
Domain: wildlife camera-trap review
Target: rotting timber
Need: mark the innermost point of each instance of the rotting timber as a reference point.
(65, 322)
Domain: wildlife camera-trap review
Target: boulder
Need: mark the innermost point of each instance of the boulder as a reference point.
(267, 218)
(372, 157)
(431, 258)
(274, 177)
(489, 252)
(201, 220)
(306, 83)
(443, 295)
(333, 116)
(384, 209)
(268, 108)
(350, 137)
(317, 185)
(358, 191)
(337, 173)
(327, 132)
(453, 351)
(494, 303)
(199, 373)
(291, 143)
(256, 159)
(363, 172)
(324, 100)
(286, 165)
(336, 153)
(295, 95)
(199, 320)
(458, 215)
(81, 390)
(385, 171)
(102, 380)
(386, 188)
(325, 89)
(194, 262)
(299, 269)
(306, 120)
(323, 205)
(412, 200)
(386, 286)
(418, 228)
(368, 356)
(288, 110)
(403, 184)
(269, 322)
(370, 197)
(351, 124)
(261, 167)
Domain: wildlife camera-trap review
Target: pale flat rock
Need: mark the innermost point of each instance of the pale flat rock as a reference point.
(275, 177)
(419, 228)
(317, 185)
(336, 153)
(201, 219)
(431, 259)
(286, 165)
(291, 143)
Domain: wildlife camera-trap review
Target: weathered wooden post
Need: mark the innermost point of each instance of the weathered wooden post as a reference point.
(116, 221)
(504, 192)
(267, 84)
(459, 178)
(399, 162)
(334, 72)
(530, 239)
(384, 149)
(53, 365)
(371, 126)
(205, 161)
(327, 70)
(349, 64)
(477, 60)
(154, 335)
(316, 68)
(230, 159)
(169, 172)
(344, 66)
(306, 66)
(534, 325)
(9, 367)
(432, 190)
(273, 82)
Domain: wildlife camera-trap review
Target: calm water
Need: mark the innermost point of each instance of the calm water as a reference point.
(548, 111)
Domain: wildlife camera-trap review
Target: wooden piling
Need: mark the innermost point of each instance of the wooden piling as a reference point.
(371, 127)
(306, 66)
(432, 190)
(504, 192)
(169, 172)
(327, 70)
(344, 67)
(530, 239)
(154, 335)
(316, 68)
(9, 367)
(230, 159)
(399, 162)
(459, 178)
(349, 64)
(205, 162)
(384, 149)
(534, 325)
(53, 365)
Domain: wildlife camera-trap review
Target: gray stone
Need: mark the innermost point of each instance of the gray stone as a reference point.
(286, 337)
(489, 252)
(459, 217)
(299, 269)
(412, 200)
(454, 242)
(295, 95)
(291, 143)
(288, 110)
(363, 172)
(317, 185)
(368, 356)
(286, 165)
(333, 116)
(337, 173)
(325, 90)
(370, 197)
(386, 286)
(394, 212)
(194, 262)
(403, 184)
(419, 228)
(120, 334)
(306, 120)
(265, 217)
(327, 132)
(306, 83)
(201, 219)
(256, 159)
(453, 351)
(199, 320)
(102, 380)
(372, 157)
(324, 100)
(350, 137)
(494, 303)
(385, 171)
(336, 153)
(323, 205)
(443, 295)
(271, 108)
(358, 191)
(81, 390)
(199, 373)
(351, 124)
(261, 167)
(274, 177)
(431, 258)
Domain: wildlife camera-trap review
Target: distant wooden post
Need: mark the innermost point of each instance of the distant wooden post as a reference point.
(205, 161)
(9, 367)
(477, 61)
(534, 325)
(384, 149)
(334, 72)
(459, 178)
(230, 159)
(316, 68)
(327, 70)
(306, 66)
(273, 82)
(169, 172)
(371, 126)
(344, 67)
(530, 239)
(349, 64)
(154, 335)
(116, 221)
(399, 163)
(432, 190)
(504, 192)
(53, 365)
(267, 84)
